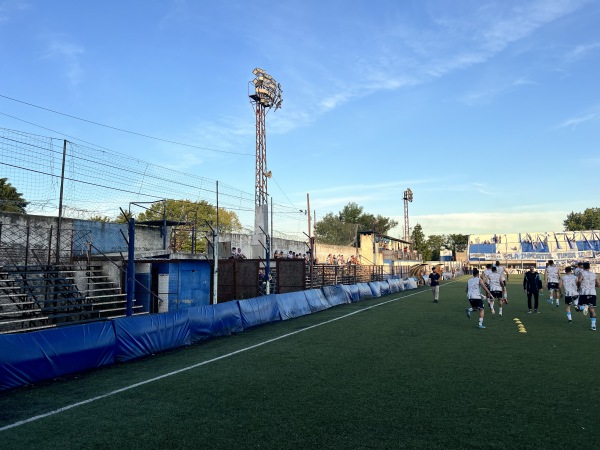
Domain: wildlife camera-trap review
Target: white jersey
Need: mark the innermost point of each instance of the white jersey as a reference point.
(495, 283)
(500, 271)
(569, 282)
(473, 288)
(551, 274)
(588, 283)
(486, 276)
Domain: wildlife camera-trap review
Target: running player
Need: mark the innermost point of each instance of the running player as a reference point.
(587, 295)
(568, 286)
(504, 278)
(496, 288)
(552, 279)
(577, 271)
(485, 276)
(474, 296)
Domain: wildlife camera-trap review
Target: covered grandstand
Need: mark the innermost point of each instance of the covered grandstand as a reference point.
(518, 250)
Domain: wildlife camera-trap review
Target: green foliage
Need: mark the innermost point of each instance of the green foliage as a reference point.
(458, 242)
(10, 199)
(192, 214)
(341, 229)
(587, 220)
(434, 244)
(419, 242)
(331, 230)
(104, 219)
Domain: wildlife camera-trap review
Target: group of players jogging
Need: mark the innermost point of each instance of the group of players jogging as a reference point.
(577, 285)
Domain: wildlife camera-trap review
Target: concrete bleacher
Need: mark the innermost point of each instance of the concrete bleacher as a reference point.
(48, 296)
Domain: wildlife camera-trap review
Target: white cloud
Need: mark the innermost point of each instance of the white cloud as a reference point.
(69, 54)
(578, 120)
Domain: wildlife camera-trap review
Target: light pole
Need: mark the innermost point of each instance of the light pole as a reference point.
(408, 197)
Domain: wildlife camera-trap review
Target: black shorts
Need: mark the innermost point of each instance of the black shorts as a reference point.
(570, 299)
(476, 303)
(496, 294)
(552, 286)
(589, 300)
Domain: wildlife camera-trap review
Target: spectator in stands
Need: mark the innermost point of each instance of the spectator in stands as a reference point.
(233, 253)
(290, 255)
(239, 254)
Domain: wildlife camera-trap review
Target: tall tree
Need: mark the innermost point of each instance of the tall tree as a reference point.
(435, 243)
(587, 220)
(10, 199)
(419, 242)
(331, 230)
(457, 242)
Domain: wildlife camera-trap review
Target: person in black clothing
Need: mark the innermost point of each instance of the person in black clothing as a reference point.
(434, 282)
(532, 284)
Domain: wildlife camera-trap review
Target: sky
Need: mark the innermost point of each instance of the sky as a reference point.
(489, 111)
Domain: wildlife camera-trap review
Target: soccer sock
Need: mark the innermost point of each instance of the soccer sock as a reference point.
(470, 309)
(593, 321)
(569, 316)
(500, 310)
(480, 321)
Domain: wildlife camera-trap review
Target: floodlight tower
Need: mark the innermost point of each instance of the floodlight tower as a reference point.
(408, 197)
(264, 95)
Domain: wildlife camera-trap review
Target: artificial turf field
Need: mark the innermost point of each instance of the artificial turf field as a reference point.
(393, 372)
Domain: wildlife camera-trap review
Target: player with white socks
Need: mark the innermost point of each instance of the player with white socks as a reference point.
(551, 277)
(496, 289)
(485, 276)
(568, 285)
(587, 294)
(474, 296)
(503, 278)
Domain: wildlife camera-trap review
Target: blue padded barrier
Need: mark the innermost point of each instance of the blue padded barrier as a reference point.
(144, 335)
(411, 283)
(259, 310)
(401, 285)
(364, 291)
(352, 291)
(292, 304)
(336, 295)
(317, 300)
(42, 355)
(393, 285)
(209, 321)
(385, 287)
(375, 288)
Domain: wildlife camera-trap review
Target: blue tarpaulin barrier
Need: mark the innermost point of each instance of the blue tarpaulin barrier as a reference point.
(353, 291)
(209, 321)
(42, 355)
(384, 286)
(317, 300)
(335, 295)
(364, 291)
(259, 310)
(292, 304)
(375, 288)
(393, 282)
(144, 335)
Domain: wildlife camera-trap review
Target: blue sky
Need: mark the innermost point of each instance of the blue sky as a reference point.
(488, 110)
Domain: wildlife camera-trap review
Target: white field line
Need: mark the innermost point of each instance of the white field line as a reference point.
(194, 366)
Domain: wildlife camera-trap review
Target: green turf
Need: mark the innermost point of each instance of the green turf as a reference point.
(403, 374)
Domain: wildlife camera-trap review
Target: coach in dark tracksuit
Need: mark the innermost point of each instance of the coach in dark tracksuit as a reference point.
(532, 284)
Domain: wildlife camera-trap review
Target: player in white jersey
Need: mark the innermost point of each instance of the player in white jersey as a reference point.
(588, 283)
(474, 296)
(504, 278)
(552, 279)
(578, 269)
(496, 288)
(568, 286)
(485, 276)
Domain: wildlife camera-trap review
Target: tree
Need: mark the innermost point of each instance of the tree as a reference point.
(341, 229)
(198, 214)
(331, 230)
(434, 244)
(588, 220)
(419, 243)
(458, 243)
(10, 199)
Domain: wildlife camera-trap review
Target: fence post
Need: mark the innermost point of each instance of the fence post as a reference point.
(130, 269)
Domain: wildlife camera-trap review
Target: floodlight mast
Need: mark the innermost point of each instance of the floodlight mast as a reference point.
(408, 197)
(266, 95)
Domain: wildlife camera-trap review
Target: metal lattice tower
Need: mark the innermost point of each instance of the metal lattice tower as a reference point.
(408, 197)
(266, 95)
